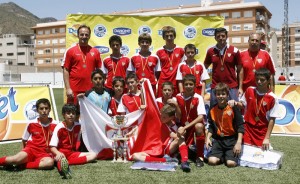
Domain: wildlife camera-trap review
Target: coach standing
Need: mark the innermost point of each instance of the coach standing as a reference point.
(81, 60)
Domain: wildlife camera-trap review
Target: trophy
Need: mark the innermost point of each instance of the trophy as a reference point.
(119, 141)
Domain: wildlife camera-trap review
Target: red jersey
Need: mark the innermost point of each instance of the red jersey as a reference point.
(113, 107)
(81, 62)
(114, 67)
(38, 135)
(169, 62)
(258, 110)
(129, 103)
(223, 65)
(64, 139)
(252, 62)
(159, 102)
(198, 70)
(145, 67)
(190, 107)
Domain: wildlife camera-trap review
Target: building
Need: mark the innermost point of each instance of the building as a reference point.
(16, 56)
(241, 19)
(294, 44)
(50, 43)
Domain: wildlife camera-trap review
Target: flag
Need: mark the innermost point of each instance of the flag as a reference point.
(98, 128)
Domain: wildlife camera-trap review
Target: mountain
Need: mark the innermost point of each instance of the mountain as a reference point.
(17, 20)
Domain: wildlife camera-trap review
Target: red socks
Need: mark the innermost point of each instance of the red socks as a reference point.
(154, 159)
(2, 161)
(32, 165)
(183, 150)
(78, 161)
(200, 140)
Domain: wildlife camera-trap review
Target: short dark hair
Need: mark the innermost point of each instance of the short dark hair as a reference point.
(83, 26)
(220, 30)
(168, 83)
(263, 72)
(167, 29)
(146, 37)
(115, 38)
(118, 78)
(131, 75)
(222, 87)
(42, 101)
(69, 108)
(189, 77)
(98, 71)
(168, 109)
(190, 46)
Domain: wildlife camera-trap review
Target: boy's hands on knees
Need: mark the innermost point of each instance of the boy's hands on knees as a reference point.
(237, 149)
(180, 132)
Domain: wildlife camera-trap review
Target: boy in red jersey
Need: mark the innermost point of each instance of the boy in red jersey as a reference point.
(145, 64)
(170, 55)
(192, 113)
(191, 66)
(36, 138)
(131, 101)
(116, 64)
(226, 66)
(63, 142)
(80, 61)
(261, 109)
(118, 90)
(226, 126)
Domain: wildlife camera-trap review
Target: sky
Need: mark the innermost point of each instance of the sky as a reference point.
(60, 8)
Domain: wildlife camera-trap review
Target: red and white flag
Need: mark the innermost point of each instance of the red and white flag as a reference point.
(98, 128)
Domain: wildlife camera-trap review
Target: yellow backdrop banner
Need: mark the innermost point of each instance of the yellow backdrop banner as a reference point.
(17, 108)
(197, 30)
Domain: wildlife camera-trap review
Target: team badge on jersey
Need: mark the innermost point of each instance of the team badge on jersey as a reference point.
(197, 72)
(100, 30)
(190, 32)
(259, 60)
(150, 64)
(123, 63)
(229, 54)
(92, 53)
(229, 113)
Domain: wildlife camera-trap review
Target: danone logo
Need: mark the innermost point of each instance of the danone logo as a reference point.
(102, 49)
(100, 30)
(122, 31)
(190, 32)
(144, 29)
(124, 50)
(208, 32)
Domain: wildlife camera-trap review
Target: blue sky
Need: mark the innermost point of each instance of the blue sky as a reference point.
(60, 8)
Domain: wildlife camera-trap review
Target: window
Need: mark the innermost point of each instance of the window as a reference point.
(0, 44)
(297, 62)
(40, 42)
(10, 54)
(40, 61)
(225, 15)
(62, 30)
(47, 51)
(55, 51)
(297, 30)
(248, 13)
(47, 31)
(297, 39)
(236, 27)
(31, 53)
(21, 53)
(47, 60)
(47, 42)
(31, 64)
(54, 30)
(236, 39)
(63, 40)
(40, 52)
(62, 50)
(0, 54)
(248, 27)
(9, 43)
(246, 38)
(212, 14)
(297, 55)
(236, 14)
(55, 41)
(40, 32)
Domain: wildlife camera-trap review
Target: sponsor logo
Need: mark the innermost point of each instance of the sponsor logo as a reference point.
(144, 29)
(190, 32)
(100, 30)
(125, 50)
(208, 32)
(73, 30)
(122, 31)
(102, 49)
(8, 103)
(31, 110)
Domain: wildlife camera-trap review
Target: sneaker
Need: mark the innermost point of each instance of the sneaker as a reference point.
(199, 162)
(170, 159)
(185, 166)
(11, 168)
(65, 169)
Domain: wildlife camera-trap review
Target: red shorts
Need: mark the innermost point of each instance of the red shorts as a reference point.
(36, 154)
(71, 154)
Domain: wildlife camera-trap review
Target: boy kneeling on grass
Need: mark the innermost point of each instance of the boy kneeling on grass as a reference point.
(226, 126)
(63, 142)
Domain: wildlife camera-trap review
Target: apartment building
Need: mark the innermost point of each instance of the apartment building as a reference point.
(50, 43)
(294, 44)
(241, 18)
